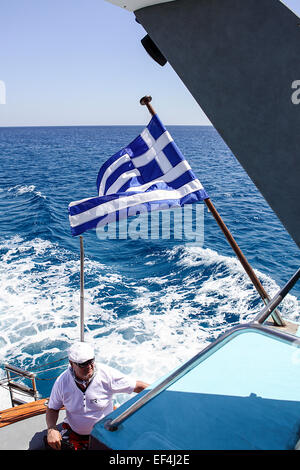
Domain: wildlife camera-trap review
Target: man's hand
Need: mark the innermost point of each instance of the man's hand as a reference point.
(140, 386)
(54, 438)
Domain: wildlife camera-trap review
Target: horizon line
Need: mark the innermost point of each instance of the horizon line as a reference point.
(100, 125)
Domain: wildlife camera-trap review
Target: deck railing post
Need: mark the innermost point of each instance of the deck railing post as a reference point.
(267, 311)
(81, 290)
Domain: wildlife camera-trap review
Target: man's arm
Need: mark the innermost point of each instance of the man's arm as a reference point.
(53, 435)
(139, 386)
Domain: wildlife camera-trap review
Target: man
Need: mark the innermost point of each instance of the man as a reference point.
(86, 392)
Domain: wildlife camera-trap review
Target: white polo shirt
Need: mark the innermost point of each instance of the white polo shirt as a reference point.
(84, 409)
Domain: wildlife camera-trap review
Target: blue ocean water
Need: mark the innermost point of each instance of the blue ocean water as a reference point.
(150, 304)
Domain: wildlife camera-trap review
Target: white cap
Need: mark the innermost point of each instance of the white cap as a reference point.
(81, 352)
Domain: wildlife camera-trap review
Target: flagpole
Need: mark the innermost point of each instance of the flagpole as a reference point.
(81, 289)
(257, 284)
(146, 101)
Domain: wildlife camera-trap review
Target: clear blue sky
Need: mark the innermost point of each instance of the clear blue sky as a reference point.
(80, 62)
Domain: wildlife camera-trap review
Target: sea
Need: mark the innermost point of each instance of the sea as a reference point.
(150, 303)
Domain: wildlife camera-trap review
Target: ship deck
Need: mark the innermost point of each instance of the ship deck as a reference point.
(23, 427)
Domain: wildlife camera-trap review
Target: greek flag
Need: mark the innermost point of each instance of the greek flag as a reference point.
(149, 174)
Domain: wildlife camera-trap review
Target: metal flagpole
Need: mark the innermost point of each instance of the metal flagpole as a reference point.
(81, 289)
(257, 284)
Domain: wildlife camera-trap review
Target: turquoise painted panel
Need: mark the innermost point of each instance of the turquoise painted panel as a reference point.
(245, 395)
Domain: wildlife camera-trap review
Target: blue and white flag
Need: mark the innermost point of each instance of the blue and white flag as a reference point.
(149, 174)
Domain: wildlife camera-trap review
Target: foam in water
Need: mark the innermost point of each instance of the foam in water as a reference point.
(19, 190)
(144, 327)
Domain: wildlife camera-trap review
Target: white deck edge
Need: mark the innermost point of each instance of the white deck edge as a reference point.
(132, 5)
